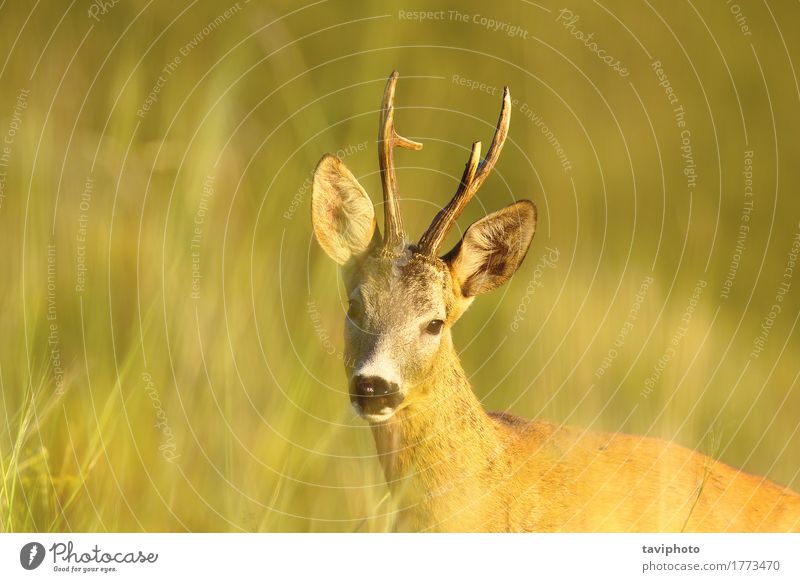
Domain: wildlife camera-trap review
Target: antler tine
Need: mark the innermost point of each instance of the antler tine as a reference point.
(499, 139)
(387, 140)
(432, 239)
(474, 176)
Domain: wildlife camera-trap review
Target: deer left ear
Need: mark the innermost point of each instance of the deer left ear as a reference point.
(493, 248)
(341, 212)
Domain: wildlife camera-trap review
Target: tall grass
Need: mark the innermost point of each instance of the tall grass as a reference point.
(193, 381)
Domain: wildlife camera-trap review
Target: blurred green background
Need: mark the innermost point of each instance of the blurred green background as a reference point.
(171, 333)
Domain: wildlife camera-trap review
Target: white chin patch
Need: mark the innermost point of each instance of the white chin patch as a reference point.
(385, 414)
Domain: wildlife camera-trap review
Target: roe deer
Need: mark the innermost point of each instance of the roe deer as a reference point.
(449, 465)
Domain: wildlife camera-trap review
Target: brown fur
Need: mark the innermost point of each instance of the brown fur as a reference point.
(452, 467)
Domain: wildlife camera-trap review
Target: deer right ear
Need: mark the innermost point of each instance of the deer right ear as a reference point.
(493, 248)
(341, 212)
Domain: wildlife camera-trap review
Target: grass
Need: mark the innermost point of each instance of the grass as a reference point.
(190, 378)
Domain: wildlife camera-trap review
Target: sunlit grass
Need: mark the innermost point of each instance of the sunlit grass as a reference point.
(228, 411)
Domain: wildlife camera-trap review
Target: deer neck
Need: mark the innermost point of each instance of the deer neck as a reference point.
(442, 446)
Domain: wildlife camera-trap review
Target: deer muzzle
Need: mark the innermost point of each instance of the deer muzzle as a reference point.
(374, 398)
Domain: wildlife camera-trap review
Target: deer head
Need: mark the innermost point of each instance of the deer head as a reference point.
(403, 297)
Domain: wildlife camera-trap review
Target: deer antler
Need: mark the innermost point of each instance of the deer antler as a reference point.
(388, 139)
(474, 176)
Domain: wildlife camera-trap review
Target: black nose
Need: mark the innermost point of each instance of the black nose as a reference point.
(374, 394)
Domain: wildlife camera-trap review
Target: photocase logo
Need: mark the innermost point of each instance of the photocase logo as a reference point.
(31, 555)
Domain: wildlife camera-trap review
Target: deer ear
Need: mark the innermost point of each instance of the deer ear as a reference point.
(341, 212)
(493, 248)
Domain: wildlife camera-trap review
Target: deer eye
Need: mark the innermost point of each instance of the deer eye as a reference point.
(434, 327)
(355, 311)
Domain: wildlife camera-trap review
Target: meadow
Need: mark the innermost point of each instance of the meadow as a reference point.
(171, 344)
